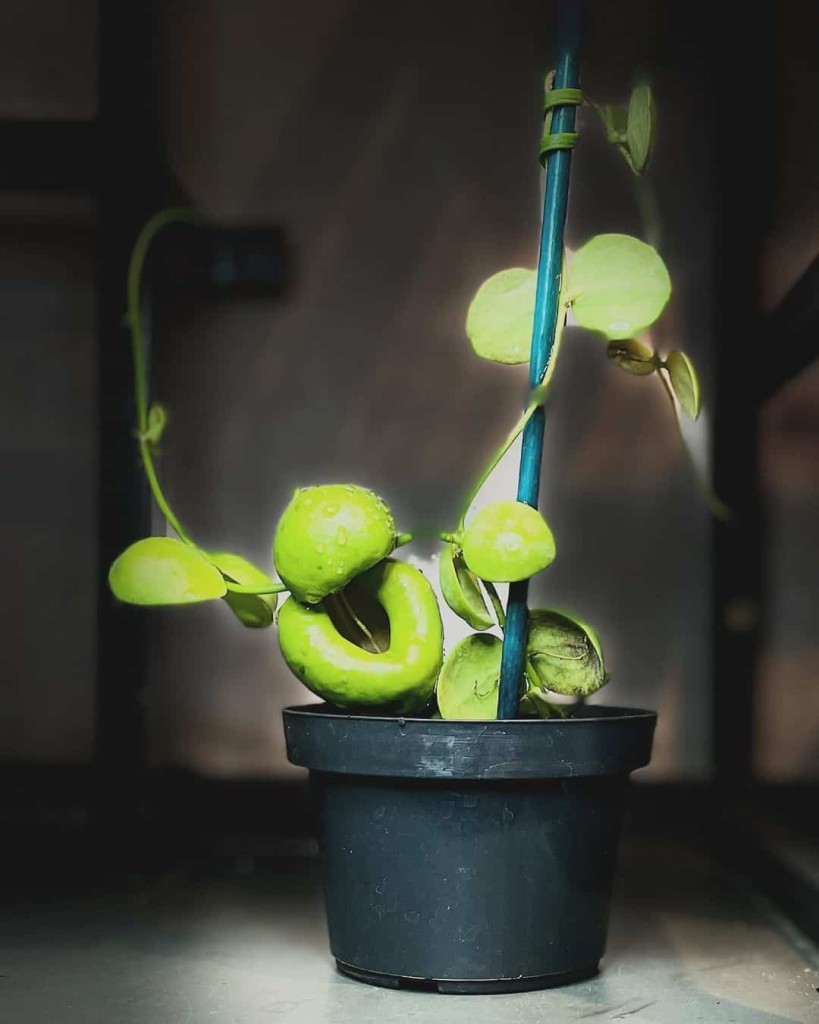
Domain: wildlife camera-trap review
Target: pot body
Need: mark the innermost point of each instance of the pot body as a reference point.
(468, 856)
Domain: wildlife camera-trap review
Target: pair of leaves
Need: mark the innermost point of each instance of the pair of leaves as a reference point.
(165, 571)
(563, 656)
(633, 129)
(616, 284)
(636, 358)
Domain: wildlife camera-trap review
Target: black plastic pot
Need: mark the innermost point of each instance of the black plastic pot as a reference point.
(468, 856)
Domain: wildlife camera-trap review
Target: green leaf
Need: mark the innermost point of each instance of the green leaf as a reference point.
(162, 570)
(564, 653)
(685, 383)
(157, 421)
(461, 589)
(500, 317)
(507, 541)
(632, 356)
(641, 128)
(618, 285)
(469, 680)
(253, 610)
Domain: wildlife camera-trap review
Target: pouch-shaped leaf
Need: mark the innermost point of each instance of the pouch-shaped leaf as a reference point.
(468, 684)
(461, 589)
(618, 285)
(162, 570)
(632, 356)
(500, 317)
(641, 126)
(685, 383)
(564, 653)
(253, 610)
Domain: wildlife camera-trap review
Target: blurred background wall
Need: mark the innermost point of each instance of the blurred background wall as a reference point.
(397, 151)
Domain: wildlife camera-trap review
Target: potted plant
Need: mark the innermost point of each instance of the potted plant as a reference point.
(469, 814)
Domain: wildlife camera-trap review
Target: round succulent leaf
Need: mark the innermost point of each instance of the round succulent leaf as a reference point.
(632, 356)
(461, 589)
(564, 653)
(507, 541)
(641, 126)
(618, 285)
(327, 536)
(501, 315)
(469, 681)
(685, 383)
(163, 571)
(253, 610)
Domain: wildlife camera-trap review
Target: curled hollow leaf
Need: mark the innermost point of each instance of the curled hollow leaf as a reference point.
(345, 673)
(469, 680)
(507, 541)
(641, 126)
(632, 356)
(162, 570)
(685, 383)
(253, 610)
(564, 653)
(461, 589)
(157, 421)
(618, 285)
(500, 317)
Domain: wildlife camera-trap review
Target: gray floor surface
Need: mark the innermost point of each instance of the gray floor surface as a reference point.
(247, 944)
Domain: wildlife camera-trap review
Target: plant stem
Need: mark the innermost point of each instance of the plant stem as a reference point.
(540, 392)
(402, 539)
(136, 269)
(159, 497)
(246, 588)
(510, 439)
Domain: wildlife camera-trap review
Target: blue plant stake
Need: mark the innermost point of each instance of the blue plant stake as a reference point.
(558, 157)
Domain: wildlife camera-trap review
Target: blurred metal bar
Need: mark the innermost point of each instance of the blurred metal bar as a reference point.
(791, 333)
(741, 218)
(132, 184)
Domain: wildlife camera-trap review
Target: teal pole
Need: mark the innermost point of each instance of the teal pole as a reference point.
(547, 297)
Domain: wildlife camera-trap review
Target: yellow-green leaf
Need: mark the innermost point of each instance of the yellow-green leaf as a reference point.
(641, 126)
(618, 285)
(461, 589)
(253, 610)
(685, 383)
(565, 653)
(469, 680)
(500, 317)
(632, 356)
(162, 570)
